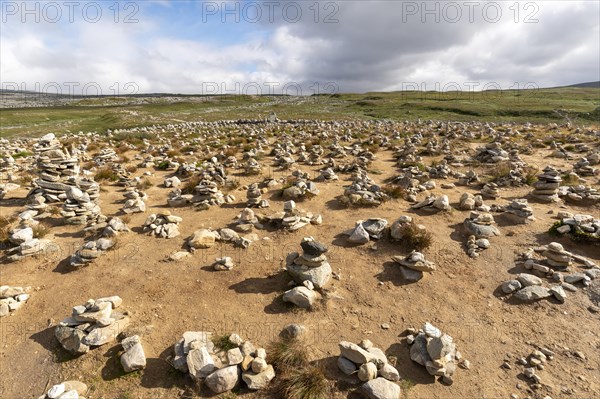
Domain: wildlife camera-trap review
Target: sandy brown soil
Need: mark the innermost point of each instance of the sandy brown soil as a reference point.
(168, 298)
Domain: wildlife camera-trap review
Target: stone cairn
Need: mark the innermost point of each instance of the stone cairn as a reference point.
(436, 351)
(557, 257)
(311, 266)
(292, 218)
(246, 221)
(208, 194)
(434, 204)
(583, 167)
(491, 153)
(546, 188)
(303, 296)
(162, 225)
(469, 202)
(366, 230)
(90, 251)
(173, 182)
(414, 265)
(468, 179)
(27, 245)
(372, 367)
(12, 298)
(80, 206)
(363, 191)
(66, 390)
(93, 249)
(519, 211)
(252, 167)
(92, 324)
(490, 190)
(578, 225)
(529, 288)
(222, 370)
(134, 201)
(479, 227)
(55, 167)
(254, 194)
(580, 193)
(327, 174)
(105, 156)
(299, 190)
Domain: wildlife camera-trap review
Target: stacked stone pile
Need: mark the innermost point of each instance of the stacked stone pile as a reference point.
(491, 153)
(95, 323)
(372, 367)
(363, 191)
(292, 218)
(546, 188)
(254, 195)
(173, 182)
(221, 370)
(414, 265)
(134, 201)
(12, 298)
(252, 167)
(81, 203)
(580, 193)
(300, 189)
(366, 230)
(311, 266)
(481, 225)
(469, 202)
(163, 225)
(208, 194)
(327, 174)
(434, 204)
(519, 211)
(579, 225)
(27, 245)
(490, 190)
(90, 251)
(437, 352)
(55, 167)
(105, 156)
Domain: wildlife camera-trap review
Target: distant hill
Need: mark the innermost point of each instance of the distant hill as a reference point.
(593, 85)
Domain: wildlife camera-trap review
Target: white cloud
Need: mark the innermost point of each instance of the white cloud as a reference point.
(369, 49)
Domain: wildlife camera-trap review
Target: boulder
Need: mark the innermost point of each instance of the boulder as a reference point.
(224, 379)
(380, 388)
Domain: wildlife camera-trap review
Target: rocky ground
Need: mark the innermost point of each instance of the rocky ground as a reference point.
(66, 192)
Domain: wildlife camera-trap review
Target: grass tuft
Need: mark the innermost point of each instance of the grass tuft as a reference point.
(223, 343)
(305, 383)
(415, 237)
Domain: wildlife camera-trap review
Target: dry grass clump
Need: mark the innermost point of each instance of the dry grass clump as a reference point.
(144, 184)
(394, 191)
(305, 383)
(40, 230)
(6, 223)
(106, 174)
(298, 378)
(223, 343)
(189, 187)
(416, 238)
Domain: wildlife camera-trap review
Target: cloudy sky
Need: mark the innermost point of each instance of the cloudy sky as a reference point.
(291, 47)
